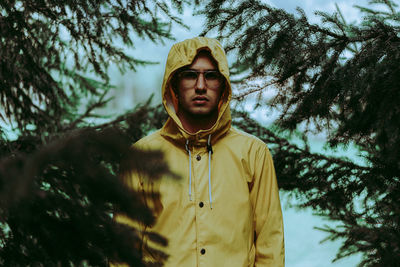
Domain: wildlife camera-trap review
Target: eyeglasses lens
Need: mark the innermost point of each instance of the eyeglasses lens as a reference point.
(190, 77)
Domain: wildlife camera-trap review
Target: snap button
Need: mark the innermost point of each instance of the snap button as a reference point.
(201, 204)
(203, 251)
(198, 157)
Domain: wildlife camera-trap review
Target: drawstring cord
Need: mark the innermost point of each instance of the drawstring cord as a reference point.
(210, 151)
(190, 169)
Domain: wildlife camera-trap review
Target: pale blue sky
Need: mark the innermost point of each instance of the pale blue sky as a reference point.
(303, 248)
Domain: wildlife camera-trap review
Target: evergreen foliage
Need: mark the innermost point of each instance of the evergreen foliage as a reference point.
(342, 80)
(59, 174)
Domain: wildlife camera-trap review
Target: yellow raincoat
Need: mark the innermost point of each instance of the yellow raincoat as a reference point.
(225, 209)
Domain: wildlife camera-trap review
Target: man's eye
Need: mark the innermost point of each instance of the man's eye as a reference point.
(191, 75)
(211, 75)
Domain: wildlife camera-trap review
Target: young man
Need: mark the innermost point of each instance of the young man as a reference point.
(225, 209)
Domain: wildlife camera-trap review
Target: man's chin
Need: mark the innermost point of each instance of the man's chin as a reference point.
(203, 114)
(198, 112)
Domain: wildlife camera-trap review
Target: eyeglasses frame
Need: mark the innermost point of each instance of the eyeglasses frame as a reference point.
(220, 76)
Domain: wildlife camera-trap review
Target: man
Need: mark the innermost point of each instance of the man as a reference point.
(225, 211)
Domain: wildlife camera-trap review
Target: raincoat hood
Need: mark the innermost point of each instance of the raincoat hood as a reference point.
(183, 54)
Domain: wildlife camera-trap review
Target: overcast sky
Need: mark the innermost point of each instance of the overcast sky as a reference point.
(303, 248)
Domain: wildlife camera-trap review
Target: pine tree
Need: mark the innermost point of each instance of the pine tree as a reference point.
(60, 177)
(335, 78)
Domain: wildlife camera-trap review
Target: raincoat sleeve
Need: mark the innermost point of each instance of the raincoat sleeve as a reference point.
(148, 244)
(133, 181)
(269, 241)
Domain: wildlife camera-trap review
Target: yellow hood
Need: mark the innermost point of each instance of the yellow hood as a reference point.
(180, 55)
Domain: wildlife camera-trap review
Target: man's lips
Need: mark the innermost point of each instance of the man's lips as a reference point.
(200, 98)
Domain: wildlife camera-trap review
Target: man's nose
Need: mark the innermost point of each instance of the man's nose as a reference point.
(201, 82)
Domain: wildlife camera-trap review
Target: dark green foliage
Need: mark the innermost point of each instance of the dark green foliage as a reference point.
(336, 188)
(60, 177)
(58, 201)
(340, 79)
(49, 47)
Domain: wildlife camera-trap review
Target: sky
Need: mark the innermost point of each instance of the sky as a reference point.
(302, 241)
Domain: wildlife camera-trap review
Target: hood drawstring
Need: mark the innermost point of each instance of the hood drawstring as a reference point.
(190, 169)
(210, 151)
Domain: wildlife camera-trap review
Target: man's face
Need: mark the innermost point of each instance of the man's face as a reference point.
(200, 88)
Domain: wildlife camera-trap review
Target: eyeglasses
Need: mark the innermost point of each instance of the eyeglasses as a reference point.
(189, 78)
